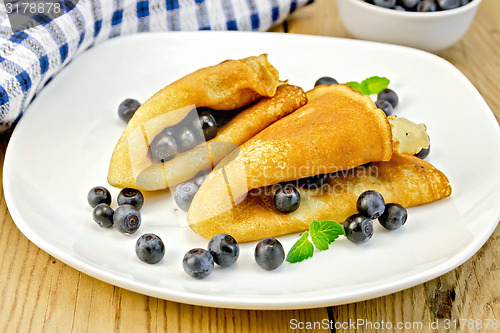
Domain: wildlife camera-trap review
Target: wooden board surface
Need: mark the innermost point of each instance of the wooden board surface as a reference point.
(39, 293)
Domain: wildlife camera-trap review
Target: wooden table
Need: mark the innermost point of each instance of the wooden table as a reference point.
(38, 292)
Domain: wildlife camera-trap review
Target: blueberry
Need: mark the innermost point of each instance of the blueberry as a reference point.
(222, 117)
(366, 165)
(409, 4)
(97, 195)
(186, 139)
(131, 196)
(400, 8)
(385, 3)
(198, 263)
(424, 152)
(200, 177)
(389, 95)
(358, 228)
(385, 106)
(448, 4)
(371, 204)
(287, 199)
(269, 254)
(127, 219)
(325, 80)
(150, 248)
(184, 194)
(103, 215)
(224, 249)
(394, 216)
(426, 6)
(464, 2)
(208, 125)
(127, 108)
(163, 147)
(313, 182)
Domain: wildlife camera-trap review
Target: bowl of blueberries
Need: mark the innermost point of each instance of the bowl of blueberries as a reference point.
(430, 25)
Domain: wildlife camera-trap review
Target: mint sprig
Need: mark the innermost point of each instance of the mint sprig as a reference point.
(322, 235)
(301, 250)
(371, 85)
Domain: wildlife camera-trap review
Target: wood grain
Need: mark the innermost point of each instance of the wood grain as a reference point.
(474, 284)
(39, 293)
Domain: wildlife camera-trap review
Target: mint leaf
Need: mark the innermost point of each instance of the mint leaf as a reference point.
(364, 88)
(325, 232)
(319, 239)
(376, 84)
(358, 87)
(301, 250)
(371, 85)
(322, 234)
(332, 230)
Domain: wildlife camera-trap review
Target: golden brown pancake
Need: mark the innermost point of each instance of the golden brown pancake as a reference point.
(405, 179)
(238, 130)
(319, 91)
(407, 136)
(229, 85)
(336, 131)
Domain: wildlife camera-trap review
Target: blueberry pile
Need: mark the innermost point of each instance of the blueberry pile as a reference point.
(419, 5)
(126, 218)
(184, 136)
(178, 138)
(387, 100)
(223, 250)
(371, 205)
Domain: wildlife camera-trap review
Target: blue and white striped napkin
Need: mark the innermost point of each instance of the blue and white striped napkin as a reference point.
(29, 59)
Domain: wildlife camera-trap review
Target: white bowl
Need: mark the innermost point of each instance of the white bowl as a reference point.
(430, 31)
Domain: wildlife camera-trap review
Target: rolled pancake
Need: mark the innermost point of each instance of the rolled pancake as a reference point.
(337, 131)
(229, 85)
(237, 131)
(405, 179)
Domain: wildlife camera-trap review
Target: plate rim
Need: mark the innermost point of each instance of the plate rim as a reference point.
(251, 303)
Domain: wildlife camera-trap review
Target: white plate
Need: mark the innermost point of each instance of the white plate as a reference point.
(61, 148)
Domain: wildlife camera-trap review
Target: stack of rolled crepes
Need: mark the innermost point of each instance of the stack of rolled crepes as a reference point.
(279, 134)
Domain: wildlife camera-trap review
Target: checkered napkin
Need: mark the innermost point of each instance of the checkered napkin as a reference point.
(29, 59)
